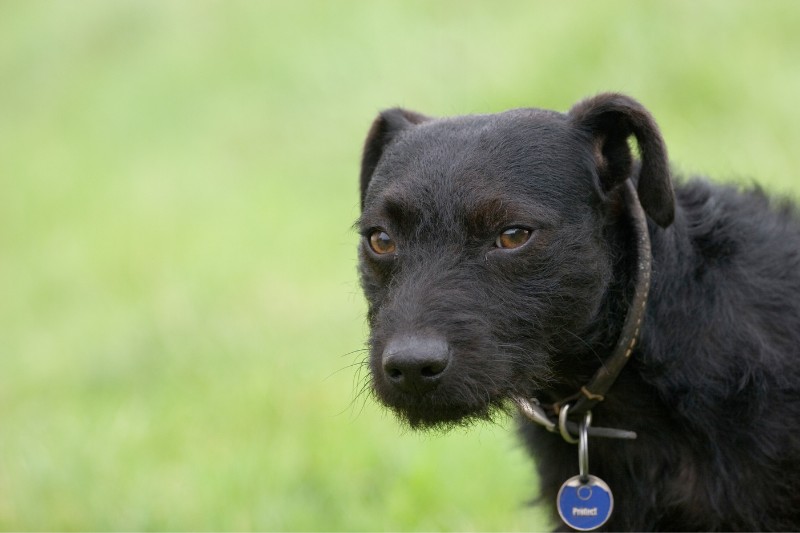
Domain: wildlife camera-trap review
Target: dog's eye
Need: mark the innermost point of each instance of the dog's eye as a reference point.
(513, 238)
(381, 243)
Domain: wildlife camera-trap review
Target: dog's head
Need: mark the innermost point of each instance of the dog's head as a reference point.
(485, 254)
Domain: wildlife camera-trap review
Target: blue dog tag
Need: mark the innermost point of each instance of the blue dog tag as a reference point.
(585, 505)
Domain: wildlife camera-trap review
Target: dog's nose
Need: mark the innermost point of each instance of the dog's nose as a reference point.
(415, 363)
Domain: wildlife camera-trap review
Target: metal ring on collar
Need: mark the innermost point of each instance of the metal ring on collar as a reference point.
(562, 424)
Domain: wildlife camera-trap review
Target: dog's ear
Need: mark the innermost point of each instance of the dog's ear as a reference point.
(384, 129)
(610, 119)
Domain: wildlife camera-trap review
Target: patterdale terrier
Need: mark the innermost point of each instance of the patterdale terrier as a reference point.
(527, 261)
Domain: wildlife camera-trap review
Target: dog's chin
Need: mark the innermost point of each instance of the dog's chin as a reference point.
(425, 414)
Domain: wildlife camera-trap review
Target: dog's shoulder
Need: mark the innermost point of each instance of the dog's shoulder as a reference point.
(728, 280)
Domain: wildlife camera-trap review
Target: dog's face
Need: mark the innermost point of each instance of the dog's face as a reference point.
(483, 254)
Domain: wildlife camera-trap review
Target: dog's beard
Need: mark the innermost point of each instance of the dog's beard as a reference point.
(429, 414)
(482, 394)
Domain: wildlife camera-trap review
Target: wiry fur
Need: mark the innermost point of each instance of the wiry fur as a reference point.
(713, 387)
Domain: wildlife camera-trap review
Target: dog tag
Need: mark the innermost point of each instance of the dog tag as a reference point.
(584, 502)
(585, 505)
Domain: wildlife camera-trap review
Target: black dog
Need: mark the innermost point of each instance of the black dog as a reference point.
(501, 263)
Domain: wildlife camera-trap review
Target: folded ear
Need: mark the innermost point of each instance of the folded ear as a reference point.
(610, 119)
(383, 131)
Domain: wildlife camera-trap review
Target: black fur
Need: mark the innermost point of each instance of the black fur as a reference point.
(713, 387)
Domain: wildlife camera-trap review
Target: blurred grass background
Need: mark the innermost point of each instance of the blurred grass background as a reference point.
(179, 308)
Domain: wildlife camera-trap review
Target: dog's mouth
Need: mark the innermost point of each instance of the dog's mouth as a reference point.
(441, 411)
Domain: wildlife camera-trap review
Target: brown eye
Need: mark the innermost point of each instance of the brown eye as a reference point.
(513, 238)
(381, 243)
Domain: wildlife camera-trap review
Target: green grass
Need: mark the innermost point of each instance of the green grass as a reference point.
(179, 309)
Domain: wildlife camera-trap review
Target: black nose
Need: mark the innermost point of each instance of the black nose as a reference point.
(415, 363)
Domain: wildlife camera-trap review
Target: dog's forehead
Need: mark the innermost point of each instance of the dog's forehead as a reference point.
(519, 157)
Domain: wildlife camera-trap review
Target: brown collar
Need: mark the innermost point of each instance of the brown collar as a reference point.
(596, 389)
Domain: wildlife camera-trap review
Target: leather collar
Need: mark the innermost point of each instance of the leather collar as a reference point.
(598, 387)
